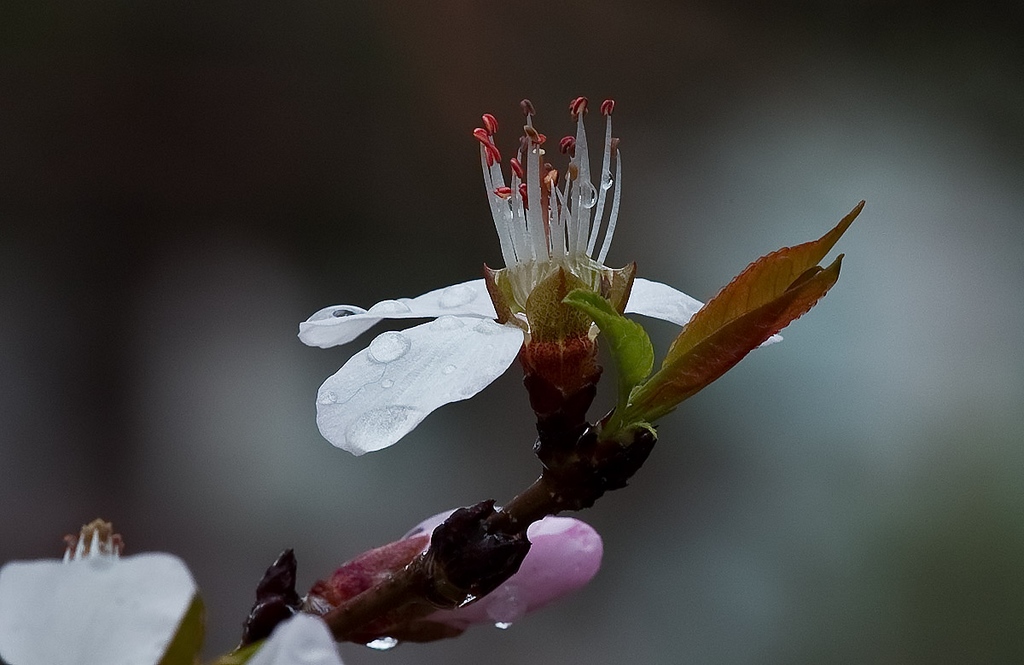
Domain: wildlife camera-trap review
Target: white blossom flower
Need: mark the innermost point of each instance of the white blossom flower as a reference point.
(302, 639)
(385, 390)
(94, 606)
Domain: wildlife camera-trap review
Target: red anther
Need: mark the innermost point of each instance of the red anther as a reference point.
(503, 192)
(607, 106)
(527, 106)
(522, 194)
(577, 106)
(517, 168)
(567, 146)
(490, 123)
(492, 153)
(482, 135)
(541, 139)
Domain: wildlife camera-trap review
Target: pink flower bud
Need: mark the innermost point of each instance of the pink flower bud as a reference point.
(565, 556)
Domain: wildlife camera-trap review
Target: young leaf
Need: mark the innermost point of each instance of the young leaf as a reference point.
(630, 346)
(686, 372)
(760, 283)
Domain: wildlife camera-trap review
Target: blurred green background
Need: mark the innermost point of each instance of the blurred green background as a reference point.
(182, 183)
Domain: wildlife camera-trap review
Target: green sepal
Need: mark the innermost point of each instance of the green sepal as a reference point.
(240, 656)
(628, 342)
(188, 640)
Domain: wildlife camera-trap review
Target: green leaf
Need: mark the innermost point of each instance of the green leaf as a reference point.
(685, 373)
(629, 344)
(188, 640)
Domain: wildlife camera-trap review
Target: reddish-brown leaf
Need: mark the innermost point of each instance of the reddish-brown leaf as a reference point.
(687, 372)
(760, 283)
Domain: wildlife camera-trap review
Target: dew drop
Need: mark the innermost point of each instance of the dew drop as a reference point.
(607, 181)
(488, 327)
(448, 322)
(505, 605)
(387, 383)
(448, 369)
(329, 397)
(588, 195)
(390, 307)
(456, 296)
(342, 312)
(373, 427)
(383, 643)
(388, 346)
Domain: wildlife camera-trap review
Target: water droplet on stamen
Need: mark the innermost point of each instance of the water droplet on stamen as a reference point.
(503, 625)
(388, 346)
(383, 643)
(448, 369)
(607, 180)
(456, 296)
(588, 195)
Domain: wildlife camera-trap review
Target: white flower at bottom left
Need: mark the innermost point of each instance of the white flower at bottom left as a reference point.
(93, 607)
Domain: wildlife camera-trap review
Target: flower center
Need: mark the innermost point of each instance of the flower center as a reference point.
(540, 226)
(96, 539)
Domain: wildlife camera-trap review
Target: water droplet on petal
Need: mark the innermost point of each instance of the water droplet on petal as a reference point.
(456, 296)
(488, 327)
(389, 307)
(503, 625)
(467, 600)
(367, 431)
(329, 397)
(505, 605)
(346, 311)
(448, 369)
(387, 383)
(383, 643)
(588, 195)
(448, 322)
(388, 346)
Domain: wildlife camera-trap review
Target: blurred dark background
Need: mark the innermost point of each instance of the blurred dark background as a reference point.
(182, 183)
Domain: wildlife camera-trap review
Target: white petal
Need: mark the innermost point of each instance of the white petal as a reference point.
(302, 640)
(386, 389)
(96, 610)
(661, 301)
(339, 324)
